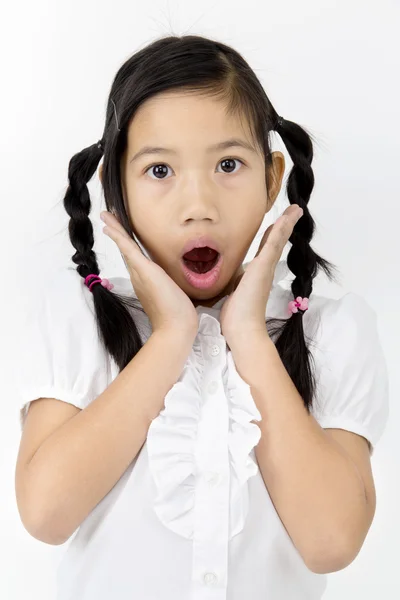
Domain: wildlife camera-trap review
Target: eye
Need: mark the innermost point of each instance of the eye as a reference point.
(160, 169)
(228, 163)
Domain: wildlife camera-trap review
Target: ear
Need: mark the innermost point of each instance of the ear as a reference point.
(276, 175)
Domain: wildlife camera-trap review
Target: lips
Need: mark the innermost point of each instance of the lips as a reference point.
(199, 277)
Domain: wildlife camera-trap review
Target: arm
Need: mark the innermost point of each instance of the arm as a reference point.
(81, 461)
(316, 488)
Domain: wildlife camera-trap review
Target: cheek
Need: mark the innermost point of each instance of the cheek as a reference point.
(151, 233)
(142, 229)
(247, 226)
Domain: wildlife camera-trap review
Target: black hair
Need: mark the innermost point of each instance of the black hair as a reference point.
(202, 66)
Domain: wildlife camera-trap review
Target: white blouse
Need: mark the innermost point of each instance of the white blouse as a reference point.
(191, 517)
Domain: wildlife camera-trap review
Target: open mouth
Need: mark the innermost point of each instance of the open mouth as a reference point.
(201, 260)
(204, 272)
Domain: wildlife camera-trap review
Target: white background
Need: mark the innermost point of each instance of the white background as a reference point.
(330, 66)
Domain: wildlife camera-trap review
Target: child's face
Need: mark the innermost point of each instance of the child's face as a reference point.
(192, 193)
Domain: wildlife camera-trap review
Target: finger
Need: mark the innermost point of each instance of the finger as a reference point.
(112, 221)
(288, 218)
(287, 221)
(264, 239)
(126, 245)
(278, 234)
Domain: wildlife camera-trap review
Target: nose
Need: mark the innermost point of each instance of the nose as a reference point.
(200, 201)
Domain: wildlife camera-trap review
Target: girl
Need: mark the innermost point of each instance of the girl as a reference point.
(195, 447)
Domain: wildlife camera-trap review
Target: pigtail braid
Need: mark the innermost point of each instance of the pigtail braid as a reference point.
(111, 308)
(302, 260)
(77, 203)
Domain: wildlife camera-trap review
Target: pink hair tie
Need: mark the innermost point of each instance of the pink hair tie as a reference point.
(298, 304)
(97, 279)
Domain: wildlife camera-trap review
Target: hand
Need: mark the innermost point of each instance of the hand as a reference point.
(165, 303)
(243, 312)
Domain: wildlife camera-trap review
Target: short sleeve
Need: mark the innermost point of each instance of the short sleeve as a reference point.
(59, 353)
(352, 376)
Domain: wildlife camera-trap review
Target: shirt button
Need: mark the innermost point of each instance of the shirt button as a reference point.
(214, 350)
(212, 387)
(210, 578)
(212, 478)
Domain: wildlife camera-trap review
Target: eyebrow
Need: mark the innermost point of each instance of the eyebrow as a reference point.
(215, 147)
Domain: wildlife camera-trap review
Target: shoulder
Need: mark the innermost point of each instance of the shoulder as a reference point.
(351, 368)
(61, 354)
(343, 322)
(66, 289)
(328, 319)
(65, 313)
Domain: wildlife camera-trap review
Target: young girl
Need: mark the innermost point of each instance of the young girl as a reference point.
(205, 432)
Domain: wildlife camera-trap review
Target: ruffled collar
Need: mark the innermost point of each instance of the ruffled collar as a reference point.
(182, 440)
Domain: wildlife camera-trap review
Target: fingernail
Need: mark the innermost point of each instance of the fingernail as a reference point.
(102, 215)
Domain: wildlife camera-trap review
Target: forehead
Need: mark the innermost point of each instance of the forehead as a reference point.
(176, 117)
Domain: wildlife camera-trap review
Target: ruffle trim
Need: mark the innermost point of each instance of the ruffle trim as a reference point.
(243, 437)
(172, 438)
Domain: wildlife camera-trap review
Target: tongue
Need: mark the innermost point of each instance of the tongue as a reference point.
(201, 254)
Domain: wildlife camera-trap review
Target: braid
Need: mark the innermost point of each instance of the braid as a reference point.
(77, 203)
(111, 308)
(302, 260)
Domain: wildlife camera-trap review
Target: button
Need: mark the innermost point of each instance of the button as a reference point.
(212, 387)
(214, 350)
(212, 478)
(210, 578)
